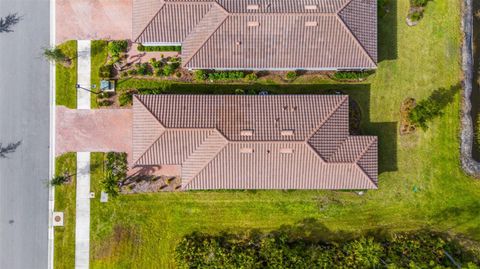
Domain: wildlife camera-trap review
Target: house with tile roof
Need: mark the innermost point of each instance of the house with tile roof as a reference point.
(262, 34)
(254, 142)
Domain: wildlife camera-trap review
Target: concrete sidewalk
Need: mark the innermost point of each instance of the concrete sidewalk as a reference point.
(83, 74)
(82, 223)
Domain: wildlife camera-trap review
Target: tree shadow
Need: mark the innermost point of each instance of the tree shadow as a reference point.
(9, 148)
(387, 30)
(469, 213)
(7, 22)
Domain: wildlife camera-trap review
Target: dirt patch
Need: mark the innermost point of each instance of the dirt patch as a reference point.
(405, 126)
(123, 239)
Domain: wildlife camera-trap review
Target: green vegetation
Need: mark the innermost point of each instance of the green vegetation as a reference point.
(56, 55)
(421, 184)
(350, 76)
(291, 75)
(99, 55)
(64, 256)
(66, 76)
(115, 171)
(116, 47)
(291, 248)
(159, 48)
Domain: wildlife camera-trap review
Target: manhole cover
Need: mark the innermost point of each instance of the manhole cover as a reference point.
(58, 218)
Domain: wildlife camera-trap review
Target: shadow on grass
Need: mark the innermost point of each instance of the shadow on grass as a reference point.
(468, 213)
(387, 31)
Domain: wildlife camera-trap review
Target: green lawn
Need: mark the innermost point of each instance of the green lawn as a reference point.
(65, 201)
(66, 77)
(99, 57)
(141, 231)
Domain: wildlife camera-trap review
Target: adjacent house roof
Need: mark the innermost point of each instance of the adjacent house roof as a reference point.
(263, 34)
(254, 142)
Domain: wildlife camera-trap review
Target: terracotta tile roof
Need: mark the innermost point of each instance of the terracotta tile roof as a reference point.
(261, 34)
(254, 142)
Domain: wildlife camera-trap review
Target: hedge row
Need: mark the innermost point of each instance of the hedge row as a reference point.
(159, 48)
(279, 250)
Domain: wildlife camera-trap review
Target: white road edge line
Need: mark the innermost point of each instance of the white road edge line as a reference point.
(51, 161)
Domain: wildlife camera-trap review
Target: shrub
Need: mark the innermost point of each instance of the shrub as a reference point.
(232, 75)
(159, 48)
(144, 69)
(251, 77)
(239, 91)
(350, 75)
(105, 71)
(178, 75)
(126, 97)
(199, 75)
(116, 47)
(104, 102)
(132, 72)
(168, 69)
(415, 16)
(291, 75)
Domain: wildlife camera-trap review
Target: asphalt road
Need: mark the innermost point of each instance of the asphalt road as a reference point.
(24, 116)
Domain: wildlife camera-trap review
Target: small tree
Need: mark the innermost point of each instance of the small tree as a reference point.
(56, 55)
(59, 180)
(9, 21)
(423, 112)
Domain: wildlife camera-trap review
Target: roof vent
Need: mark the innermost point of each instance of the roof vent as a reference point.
(246, 132)
(246, 150)
(287, 132)
(286, 150)
(238, 43)
(311, 23)
(252, 7)
(253, 23)
(310, 7)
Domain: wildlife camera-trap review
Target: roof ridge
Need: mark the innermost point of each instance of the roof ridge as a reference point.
(365, 174)
(366, 148)
(161, 124)
(185, 62)
(150, 22)
(148, 148)
(351, 34)
(344, 6)
(211, 159)
(345, 97)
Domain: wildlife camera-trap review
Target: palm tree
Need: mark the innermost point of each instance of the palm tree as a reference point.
(56, 55)
(9, 21)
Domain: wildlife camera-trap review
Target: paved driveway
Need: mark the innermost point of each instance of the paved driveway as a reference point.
(24, 116)
(96, 130)
(93, 19)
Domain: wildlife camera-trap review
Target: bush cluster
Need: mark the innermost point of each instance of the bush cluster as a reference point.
(116, 167)
(279, 250)
(159, 48)
(116, 47)
(105, 71)
(227, 75)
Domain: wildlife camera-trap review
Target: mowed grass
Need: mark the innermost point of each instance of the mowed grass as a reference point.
(99, 55)
(66, 77)
(64, 255)
(421, 184)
